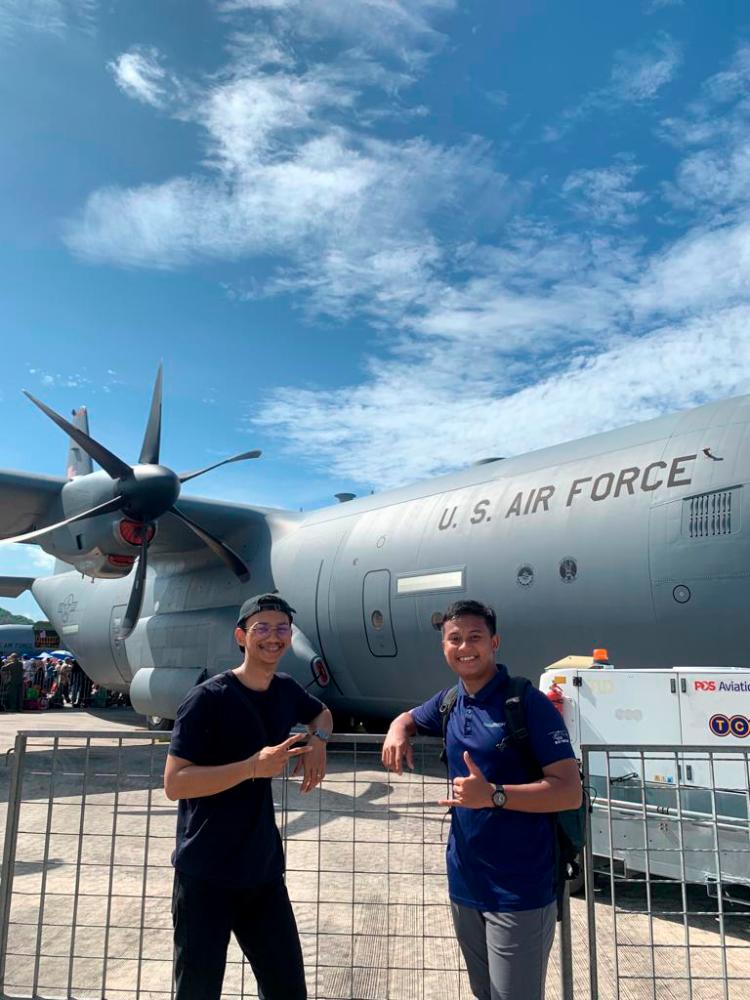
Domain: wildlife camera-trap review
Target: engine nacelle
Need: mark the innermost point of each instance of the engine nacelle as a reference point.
(104, 547)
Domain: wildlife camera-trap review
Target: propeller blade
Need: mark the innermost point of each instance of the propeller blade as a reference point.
(227, 461)
(152, 437)
(103, 508)
(218, 547)
(116, 468)
(133, 610)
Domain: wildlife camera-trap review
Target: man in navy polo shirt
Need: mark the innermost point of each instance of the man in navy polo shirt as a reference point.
(500, 857)
(230, 738)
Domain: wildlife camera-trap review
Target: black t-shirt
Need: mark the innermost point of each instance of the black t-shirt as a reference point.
(231, 837)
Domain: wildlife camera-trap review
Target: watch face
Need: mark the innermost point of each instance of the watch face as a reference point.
(499, 798)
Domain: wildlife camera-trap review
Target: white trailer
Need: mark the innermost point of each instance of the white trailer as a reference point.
(680, 808)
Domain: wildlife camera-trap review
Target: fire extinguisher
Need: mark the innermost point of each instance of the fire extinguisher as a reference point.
(556, 696)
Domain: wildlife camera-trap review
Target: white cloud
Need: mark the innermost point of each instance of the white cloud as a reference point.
(508, 359)
(24, 560)
(495, 322)
(498, 98)
(639, 76)
(140, 74)
(288, 178)
(721, 110)
(40, 560)
(704, 270)
(290, 168)
(104, 381)
(636, 78)
(715, 175)
(653, 5)
(604, 194)
(413, 420)
(52, 17)
(71, 380)
(403, 28)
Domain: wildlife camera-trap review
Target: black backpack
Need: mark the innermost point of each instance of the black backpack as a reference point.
(569, 825)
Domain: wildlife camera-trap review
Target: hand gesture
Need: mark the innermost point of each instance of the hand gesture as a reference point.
(396, 749)
(271, 761)
(313, 765)
(474, 792)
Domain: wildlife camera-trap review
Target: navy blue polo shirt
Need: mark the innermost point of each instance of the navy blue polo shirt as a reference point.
(498, 859)
(231, 837)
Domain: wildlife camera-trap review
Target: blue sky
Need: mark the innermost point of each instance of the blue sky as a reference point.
(378, 239)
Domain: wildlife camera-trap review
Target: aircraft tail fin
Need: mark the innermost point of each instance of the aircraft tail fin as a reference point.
(79, 463)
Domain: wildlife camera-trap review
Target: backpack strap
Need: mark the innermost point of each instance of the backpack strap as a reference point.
(446, 707)
(515, 717)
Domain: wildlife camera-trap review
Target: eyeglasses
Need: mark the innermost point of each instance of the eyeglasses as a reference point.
(262, 631)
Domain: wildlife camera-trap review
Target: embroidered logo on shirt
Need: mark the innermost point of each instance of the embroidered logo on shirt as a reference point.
(560, 736)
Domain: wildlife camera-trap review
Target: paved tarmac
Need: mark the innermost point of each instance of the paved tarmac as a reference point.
(92, 884)
(69, 720)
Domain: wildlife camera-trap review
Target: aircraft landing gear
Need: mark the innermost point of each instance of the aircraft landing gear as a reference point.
(158, 723)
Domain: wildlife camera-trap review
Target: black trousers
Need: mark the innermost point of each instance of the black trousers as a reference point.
(262, 920)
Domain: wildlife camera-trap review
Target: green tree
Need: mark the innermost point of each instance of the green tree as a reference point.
(6, 618)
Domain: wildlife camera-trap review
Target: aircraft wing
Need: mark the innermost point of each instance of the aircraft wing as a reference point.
(14, 586)
(24, 498)
(245, 528)
(234, 523)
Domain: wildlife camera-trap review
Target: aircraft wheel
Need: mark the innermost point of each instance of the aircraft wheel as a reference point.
(157, 723)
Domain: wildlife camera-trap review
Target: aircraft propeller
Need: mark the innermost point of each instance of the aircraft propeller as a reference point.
(144, 493)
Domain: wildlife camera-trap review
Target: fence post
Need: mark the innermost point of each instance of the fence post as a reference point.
(588, 857)
(566, 948)
(9, 849)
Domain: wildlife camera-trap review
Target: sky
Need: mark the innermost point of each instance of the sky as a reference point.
(378, 239)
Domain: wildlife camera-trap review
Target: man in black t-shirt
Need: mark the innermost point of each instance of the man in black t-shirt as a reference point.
(230, 738)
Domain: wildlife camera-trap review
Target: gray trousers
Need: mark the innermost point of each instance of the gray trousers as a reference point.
(506, 953)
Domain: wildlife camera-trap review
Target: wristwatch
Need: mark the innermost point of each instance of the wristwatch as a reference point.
(322, 734)
(499, 798)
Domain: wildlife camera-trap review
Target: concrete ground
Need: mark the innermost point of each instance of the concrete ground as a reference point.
(92, 884)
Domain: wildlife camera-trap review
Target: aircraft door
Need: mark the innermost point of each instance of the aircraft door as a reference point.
(117, 643)
(376, 606)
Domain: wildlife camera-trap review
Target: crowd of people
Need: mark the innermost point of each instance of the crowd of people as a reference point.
(32, 683)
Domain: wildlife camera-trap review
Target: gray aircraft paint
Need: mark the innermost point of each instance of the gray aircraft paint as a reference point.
(595, 542)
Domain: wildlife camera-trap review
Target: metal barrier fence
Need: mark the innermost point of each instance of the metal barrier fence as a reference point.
(672, 829)
(86, 875)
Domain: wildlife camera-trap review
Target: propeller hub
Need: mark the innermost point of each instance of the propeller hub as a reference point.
(149, 492)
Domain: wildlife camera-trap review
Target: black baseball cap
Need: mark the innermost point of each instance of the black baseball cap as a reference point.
(264, 602)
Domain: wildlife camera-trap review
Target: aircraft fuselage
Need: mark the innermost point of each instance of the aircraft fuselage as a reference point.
(634, 539)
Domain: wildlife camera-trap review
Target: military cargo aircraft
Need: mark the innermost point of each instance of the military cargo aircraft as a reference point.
(635, 539)
(28, 639)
